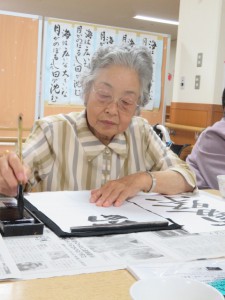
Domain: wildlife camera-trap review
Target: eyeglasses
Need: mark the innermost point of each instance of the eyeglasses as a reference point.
(104, 97)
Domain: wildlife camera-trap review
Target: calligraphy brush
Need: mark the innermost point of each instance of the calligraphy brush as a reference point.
(20, 197)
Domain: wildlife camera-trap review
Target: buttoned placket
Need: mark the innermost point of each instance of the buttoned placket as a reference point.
(106, 170)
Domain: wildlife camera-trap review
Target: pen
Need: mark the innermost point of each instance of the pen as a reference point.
(20, 198)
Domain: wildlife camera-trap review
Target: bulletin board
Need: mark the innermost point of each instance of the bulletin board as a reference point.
(20, 40)
(67, 51)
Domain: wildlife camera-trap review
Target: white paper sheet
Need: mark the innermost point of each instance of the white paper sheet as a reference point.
(202, 212)
(48, 255)
(189, 246)
(8, 268)
(73, 209)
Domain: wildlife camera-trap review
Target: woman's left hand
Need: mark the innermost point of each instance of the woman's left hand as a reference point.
(115, 192)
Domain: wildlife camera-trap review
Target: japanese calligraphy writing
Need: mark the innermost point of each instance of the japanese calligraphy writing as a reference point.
(69, 49)
(59, 62)
(127, 37)
(191, 206)
(83, 50)
(105, 37)
(109, 220)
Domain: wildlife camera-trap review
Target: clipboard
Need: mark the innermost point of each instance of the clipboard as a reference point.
(98, 230)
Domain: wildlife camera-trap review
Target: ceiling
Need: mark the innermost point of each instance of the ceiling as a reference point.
(117, 13)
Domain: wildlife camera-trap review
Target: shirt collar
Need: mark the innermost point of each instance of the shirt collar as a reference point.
(92, 146)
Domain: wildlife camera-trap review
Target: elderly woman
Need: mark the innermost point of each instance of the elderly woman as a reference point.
(106, 148)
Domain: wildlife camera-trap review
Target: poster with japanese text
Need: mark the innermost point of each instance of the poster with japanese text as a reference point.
(69, 47)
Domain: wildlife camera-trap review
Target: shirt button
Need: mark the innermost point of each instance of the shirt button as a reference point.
(107, 151)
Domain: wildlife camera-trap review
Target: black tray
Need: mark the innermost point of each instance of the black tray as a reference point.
(12, 225)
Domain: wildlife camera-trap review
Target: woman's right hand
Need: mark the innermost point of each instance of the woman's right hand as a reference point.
(12, 171)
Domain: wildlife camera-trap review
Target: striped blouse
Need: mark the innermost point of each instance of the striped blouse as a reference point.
(63, 154)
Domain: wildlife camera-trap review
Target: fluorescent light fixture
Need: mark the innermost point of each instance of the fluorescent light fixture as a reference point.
(145, 18)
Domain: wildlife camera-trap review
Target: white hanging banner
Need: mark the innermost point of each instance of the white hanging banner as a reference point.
(69, 47)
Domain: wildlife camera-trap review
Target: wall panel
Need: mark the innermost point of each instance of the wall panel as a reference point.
(18, 67)
(192, 114)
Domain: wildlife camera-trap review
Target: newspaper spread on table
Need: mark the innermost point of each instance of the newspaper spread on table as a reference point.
(161, 252)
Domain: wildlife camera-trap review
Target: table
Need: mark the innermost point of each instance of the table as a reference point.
(113, 285)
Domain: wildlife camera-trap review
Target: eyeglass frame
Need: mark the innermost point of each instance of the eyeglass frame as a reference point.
(135, 105)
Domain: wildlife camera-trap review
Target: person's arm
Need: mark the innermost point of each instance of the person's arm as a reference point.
(172, 175)
(38, 154)
(207, 158)
(37, 159)
(115, 192)
(199, 163)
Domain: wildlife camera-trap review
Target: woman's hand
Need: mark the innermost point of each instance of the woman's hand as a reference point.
(115, 192)
(12, 171)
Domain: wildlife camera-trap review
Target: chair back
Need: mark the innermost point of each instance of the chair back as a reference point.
(182, 150)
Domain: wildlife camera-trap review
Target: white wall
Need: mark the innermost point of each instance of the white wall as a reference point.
(220, 63)
(170, 72)
(200, 30)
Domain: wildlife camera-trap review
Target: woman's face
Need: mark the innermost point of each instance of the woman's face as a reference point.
(112, 101)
